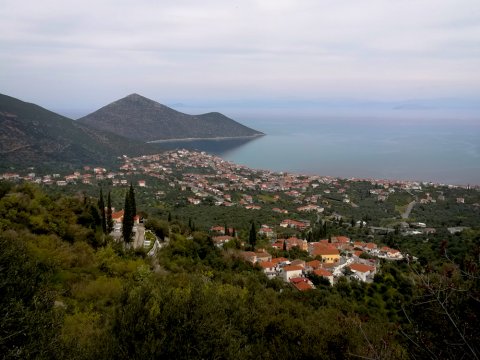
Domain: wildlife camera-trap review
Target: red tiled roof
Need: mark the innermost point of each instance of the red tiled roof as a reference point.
(222, 238)
(292, 268)
(118, 214)
(303, 286)
(343, 239)
(361, 267)
(314, 264)
(267, 264)
(325, 250)
(279, 260)
(322, 272)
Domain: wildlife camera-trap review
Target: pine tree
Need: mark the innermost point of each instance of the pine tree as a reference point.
(101, 206)
(169, 216)
(284, 245)
(109, 214)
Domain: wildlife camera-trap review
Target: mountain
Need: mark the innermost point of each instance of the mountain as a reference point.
(137, 117)
(33, 136)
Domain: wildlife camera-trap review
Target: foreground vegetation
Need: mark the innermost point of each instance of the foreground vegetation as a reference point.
(68, 291)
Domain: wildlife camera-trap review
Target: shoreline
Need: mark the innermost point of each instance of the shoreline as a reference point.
(204, 138)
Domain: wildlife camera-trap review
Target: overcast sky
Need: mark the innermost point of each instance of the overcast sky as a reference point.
(84, 54)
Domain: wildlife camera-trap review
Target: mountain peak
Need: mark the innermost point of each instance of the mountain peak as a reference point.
(135, 97)
(140, 118)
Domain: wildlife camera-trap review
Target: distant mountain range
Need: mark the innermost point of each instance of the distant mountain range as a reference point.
(139, 118)
(33, 136)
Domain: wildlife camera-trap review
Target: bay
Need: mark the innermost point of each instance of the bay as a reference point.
(439, 151)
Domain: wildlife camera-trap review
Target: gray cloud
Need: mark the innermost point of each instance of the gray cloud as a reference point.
(85, 53)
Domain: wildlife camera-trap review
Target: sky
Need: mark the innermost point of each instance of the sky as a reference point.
(255, 55)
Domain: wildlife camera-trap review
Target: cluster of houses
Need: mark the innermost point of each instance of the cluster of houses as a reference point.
(298, 273)
(332, 258)
(88, 176)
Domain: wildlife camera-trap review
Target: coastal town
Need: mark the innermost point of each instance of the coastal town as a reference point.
(288, 207)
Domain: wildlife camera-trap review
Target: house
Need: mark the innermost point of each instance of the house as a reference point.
(290, 271)
(341, 239)
(293, 241)
(218, 229)
(249, 256)
(266, 231)
(362, 271)
(298, 262)
(390, 253)
(324, 273)
(279, 261)
(308, 208)
(263, 256)
(193, 201)
(222, 239)
(141, 183)
(117, 217)
(329, 254)
(299, 225)
(301, 283)
(313, 265)
(269, 268)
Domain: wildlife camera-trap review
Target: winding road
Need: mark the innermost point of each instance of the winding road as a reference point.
(408, 210)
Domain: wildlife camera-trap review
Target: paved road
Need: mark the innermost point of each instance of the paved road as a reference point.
(139, 237)
(408, 210)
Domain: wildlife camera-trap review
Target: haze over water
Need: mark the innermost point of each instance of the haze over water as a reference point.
(439, 151)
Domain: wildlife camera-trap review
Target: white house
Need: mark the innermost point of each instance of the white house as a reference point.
(291, 271)
(362, 271)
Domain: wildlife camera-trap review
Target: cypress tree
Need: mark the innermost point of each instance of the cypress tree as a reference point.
(127, 224)
(101, 206)
(109, 214)
(133, 203)
(252, 238)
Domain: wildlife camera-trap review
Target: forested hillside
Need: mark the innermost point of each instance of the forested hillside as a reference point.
(69, 291)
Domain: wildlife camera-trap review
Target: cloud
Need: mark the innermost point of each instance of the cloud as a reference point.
(178, 50)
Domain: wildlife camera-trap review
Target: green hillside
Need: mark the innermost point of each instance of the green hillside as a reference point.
(33, 136)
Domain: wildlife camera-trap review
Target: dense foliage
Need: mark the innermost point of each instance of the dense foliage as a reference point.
(70, 292)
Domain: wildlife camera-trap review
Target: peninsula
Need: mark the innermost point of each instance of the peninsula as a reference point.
(139, 118)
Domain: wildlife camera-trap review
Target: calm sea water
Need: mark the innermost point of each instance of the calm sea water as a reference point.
(446, 152)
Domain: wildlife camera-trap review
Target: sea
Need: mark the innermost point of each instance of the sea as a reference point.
(445, 151)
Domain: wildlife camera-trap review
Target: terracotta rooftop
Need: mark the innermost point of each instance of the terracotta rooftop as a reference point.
(361, 267)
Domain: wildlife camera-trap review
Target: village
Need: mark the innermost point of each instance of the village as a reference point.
(298, 202)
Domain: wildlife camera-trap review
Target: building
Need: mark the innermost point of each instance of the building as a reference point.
(290, 271)
(362, 271)
(328, 253)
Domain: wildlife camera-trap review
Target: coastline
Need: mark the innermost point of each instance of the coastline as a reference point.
(206, 138)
